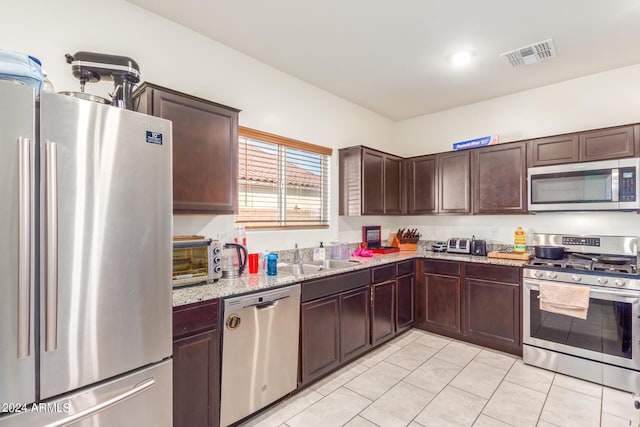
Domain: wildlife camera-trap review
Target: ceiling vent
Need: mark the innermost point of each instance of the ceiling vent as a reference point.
(530, 54)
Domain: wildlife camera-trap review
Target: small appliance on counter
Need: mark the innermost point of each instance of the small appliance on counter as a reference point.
(371, 237)
(234, 260)
(478, 247)
(196, 260)
(92, 67)
(458, 245)
(439, 246)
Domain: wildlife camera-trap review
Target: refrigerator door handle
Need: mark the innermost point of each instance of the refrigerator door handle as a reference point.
(25, 224)
(137, 389)
(51, 279)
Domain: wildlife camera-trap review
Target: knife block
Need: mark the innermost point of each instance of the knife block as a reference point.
(405, 244)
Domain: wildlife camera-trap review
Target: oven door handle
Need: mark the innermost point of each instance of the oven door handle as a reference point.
(609, 295)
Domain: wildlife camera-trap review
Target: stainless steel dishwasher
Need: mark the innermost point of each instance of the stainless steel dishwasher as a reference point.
(259, 351)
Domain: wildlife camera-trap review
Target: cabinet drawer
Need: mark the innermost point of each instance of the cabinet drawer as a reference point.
(494, 273)
(331, 285)
(382, 274)
(192, 318)
(448, 268)
(405, 267)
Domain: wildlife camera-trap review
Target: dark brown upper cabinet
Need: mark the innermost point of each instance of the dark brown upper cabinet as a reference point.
(554, 150)
(370, 182)
(612, 143)
(422, 184)
(499, 179)
(453, 182)
(600, 144)
(205, 149)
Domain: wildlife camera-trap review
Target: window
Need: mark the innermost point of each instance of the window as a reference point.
(281, 182)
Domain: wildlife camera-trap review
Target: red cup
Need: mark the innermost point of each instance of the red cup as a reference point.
(253, 263)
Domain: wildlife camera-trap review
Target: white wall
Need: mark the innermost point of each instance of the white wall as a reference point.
(599, 100)
(175, 57)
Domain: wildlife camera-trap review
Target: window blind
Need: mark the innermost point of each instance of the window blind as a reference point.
(281, 182)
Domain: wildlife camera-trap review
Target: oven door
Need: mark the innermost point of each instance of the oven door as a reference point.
(609, 334)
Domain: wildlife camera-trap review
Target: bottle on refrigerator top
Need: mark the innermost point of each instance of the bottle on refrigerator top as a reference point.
(520, 240)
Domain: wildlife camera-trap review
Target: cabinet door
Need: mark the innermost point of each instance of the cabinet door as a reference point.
(554, 150)
(196, 380)
(354, 323)
(422, 186)
(493, 314)
(392, 185)
(205, 153)
(453, 182)
(439, 307)
(608, 144)
(372, 182)
(499, 179)
(405, 291)
(382, 312)
(319, 337)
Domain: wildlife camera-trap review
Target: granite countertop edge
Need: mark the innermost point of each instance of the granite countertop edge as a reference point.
(249, 283)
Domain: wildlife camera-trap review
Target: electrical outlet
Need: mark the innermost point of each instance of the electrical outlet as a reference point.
(493, 234)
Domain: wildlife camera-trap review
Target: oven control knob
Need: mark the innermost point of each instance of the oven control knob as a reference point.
(538, 273)
(576, 277)
(602, 280)
(551, 274)
(620, 283)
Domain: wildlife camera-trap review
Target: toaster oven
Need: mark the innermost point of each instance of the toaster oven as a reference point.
(195, 261)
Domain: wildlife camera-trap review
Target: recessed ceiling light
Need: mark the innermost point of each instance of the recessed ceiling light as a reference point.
(461, 58)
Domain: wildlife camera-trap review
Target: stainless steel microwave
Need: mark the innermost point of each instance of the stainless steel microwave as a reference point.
(605, 185)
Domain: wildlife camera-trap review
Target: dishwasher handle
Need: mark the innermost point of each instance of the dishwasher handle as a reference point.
(269, 304)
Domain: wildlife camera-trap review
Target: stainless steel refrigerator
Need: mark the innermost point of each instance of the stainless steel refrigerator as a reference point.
(85, 263)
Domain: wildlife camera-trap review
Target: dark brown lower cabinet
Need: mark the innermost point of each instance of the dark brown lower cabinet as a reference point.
(492, 296)
(382, 311)
(354, 323)
(439, 299)
(405, 296)
(320, 337)
(196, 365)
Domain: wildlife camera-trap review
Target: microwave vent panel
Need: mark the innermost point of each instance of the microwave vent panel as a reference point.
(530, 54)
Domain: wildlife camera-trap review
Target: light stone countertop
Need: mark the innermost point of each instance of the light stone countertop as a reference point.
(249, 283)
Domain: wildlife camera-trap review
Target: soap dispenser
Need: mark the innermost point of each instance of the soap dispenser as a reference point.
(319, 254)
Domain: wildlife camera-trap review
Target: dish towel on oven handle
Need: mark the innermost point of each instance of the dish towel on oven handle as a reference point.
(570, 300)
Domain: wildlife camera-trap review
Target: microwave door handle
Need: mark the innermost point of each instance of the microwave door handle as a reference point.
(609, 295)
(615, 184)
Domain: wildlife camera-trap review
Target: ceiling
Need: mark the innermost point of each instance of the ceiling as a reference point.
(392, 57)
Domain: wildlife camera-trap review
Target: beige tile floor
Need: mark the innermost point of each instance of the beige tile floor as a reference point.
(423, 380)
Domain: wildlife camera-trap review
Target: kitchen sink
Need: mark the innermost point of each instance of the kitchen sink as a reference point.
(315, 266)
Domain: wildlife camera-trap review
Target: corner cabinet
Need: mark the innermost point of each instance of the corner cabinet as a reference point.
(196, 365)
(370, 182)
(499, 177)
(205, 149)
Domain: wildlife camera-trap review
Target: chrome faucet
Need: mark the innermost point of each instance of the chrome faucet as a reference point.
(296, 255)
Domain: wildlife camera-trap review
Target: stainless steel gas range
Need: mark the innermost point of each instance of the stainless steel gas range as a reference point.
(604, 347)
